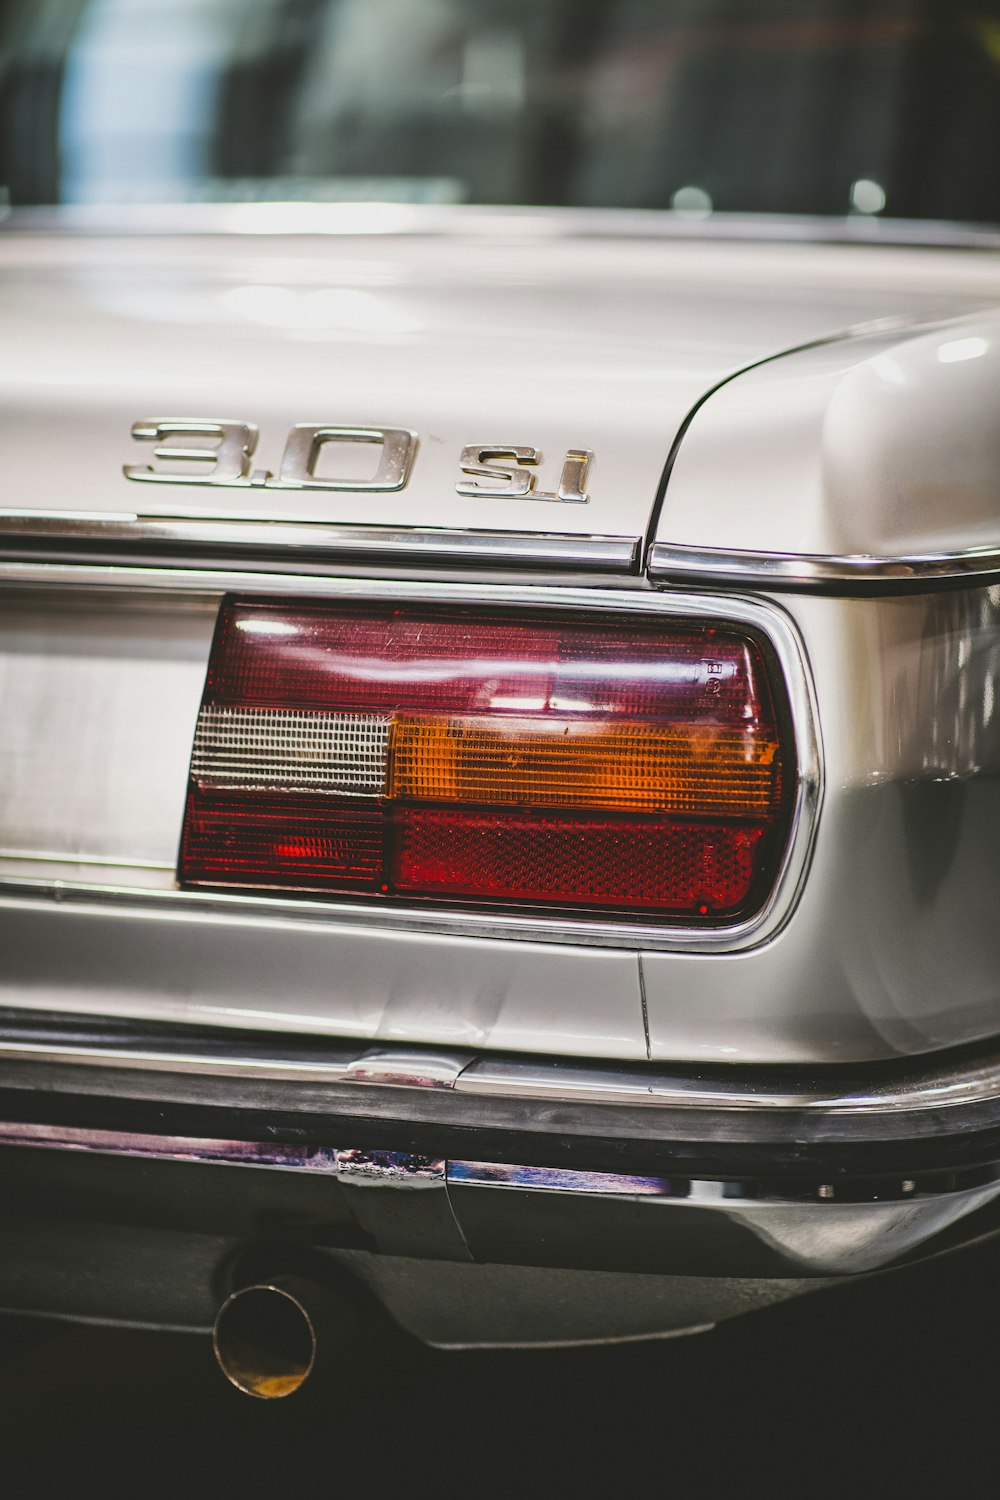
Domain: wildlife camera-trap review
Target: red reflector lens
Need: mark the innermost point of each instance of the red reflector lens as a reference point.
(489, 756)
(594, 860)
(299, 842)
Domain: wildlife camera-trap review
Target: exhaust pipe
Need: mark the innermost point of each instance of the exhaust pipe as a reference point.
(269, 1338)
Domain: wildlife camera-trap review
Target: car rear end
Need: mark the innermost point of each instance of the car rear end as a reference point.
(498, 758)
(521, 936)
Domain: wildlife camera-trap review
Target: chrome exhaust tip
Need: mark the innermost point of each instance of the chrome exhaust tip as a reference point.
(265, 1338)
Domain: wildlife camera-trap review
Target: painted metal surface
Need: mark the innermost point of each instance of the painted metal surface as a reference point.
(876, 448)
(262, 971)
(894, 945)
(892, 948)
(526, 337)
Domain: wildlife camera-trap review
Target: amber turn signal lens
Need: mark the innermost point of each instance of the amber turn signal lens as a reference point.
(643, 767)
(499, 756)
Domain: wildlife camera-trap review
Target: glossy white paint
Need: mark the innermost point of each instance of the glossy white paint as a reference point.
(894, 946)
(886, 445)
(520, 335)
(280, 973)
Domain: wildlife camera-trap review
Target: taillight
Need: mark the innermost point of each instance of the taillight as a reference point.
(415, 753)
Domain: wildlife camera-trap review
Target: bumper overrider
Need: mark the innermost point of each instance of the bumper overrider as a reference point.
(511, 1161)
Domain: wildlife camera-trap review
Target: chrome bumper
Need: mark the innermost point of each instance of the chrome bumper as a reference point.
(535, 1162)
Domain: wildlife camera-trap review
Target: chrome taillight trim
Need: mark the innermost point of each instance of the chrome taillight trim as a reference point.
(763, 617)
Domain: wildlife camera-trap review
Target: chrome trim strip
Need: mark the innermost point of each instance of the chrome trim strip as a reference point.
(924, 1086)
(523, 222)
(762, 616)
(405, 1068)
(916, 1086)
(298, 1158)
(404, 1170)
(801, 572)
(395, 1168)
(560, 1180)
(400, 1067)
(291, 542)
(694, 1192)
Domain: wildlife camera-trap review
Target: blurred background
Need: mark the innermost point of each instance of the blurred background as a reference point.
(739, 106)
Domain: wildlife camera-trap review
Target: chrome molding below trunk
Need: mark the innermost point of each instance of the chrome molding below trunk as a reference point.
(850, 576)
(128, 536)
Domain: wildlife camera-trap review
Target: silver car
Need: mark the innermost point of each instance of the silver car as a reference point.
(499, 651)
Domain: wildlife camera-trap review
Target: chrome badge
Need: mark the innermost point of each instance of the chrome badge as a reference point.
(502, 472)
(226, 455)
(201, 451)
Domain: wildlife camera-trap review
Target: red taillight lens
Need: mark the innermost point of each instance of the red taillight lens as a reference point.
(496, 756)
